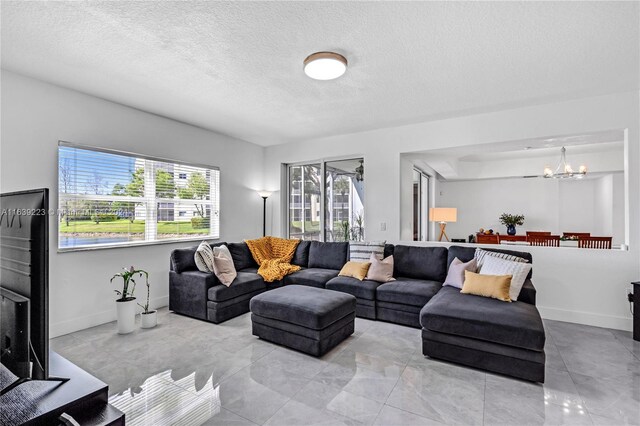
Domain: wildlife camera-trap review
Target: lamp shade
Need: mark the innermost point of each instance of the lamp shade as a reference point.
(264, 193)
(443, 214)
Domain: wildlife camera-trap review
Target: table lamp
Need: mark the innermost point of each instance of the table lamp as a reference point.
(443, 215)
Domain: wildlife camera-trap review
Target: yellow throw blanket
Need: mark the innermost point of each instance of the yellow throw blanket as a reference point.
(274, 257)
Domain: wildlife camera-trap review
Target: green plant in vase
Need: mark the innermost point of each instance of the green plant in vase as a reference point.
(511, 221)
(148, 318)
(126, 304)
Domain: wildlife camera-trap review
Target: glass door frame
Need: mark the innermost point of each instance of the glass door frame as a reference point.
(424, 229)
(286, 185)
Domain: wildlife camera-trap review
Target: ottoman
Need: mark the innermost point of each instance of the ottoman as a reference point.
(308, 319)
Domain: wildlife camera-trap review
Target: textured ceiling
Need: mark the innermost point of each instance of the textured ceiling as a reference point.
(236, 67)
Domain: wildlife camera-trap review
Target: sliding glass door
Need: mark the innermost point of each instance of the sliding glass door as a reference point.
(326, 200)
(420, 206)
(305, 191)
(344, 200)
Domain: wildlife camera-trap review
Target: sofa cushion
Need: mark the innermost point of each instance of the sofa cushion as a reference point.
(427, 263)
(244, 283)
(388, 250)
(408, 291)
(301, 256)
(183, 259)
(305, 306)
(313, 277)
(515, 324)
(465, 254)
(328, 255)
(361, 289)
(241, 255)
(527, 293)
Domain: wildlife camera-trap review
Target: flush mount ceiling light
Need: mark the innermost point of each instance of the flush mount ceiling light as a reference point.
(564, 170)
(325, 65)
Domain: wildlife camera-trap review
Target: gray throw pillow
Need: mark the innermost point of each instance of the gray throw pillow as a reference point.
(455, 276)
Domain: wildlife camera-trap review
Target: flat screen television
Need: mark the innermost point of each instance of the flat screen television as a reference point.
(24, 282)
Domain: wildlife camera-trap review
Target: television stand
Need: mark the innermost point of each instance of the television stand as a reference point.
(82, 397)
(26, 379)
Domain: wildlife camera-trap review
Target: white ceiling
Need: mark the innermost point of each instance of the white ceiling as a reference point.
(236, 67)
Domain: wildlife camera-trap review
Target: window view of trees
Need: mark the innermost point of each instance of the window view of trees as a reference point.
(343, 204)
(108, 198)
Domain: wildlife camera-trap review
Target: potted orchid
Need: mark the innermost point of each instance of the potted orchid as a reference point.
(148, 319)
(126, 304)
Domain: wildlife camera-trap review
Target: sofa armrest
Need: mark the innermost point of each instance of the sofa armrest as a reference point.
(528, 293)
(188, 292)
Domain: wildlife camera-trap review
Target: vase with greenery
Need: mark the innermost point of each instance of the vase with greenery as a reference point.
(126, 304)
(148, 318)
(511, 221)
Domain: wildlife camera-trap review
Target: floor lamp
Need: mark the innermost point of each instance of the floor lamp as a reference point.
(443, 215)
(264, 195)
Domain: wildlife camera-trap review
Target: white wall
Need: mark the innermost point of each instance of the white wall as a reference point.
(35, 115)
(574, 285)
(558, 206)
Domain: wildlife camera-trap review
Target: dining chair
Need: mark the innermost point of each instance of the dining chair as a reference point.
(595, 242)
(544, 240)
(576, 234)
(537, 233)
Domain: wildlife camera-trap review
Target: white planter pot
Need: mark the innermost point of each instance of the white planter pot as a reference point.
(126, 316)
(149, 320)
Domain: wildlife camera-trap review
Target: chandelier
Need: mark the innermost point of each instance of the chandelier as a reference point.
(564, 170)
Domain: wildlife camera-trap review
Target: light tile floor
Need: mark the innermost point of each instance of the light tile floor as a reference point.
(190, 372)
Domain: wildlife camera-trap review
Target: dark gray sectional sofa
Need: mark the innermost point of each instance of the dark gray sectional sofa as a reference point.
(507, 338)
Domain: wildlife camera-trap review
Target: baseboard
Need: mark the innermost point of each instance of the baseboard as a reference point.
(579, 317)
(586, 318)
(69, 326)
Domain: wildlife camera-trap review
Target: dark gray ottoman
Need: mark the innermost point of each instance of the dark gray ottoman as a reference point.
(308, 319)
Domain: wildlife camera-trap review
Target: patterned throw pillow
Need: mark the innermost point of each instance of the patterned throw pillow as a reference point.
(204, 257)
(480, 255)
(360, 251)
(518, 270)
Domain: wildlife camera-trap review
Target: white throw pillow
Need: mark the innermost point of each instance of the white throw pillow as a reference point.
(518, 270)
(223, 265)
(204, 257)
(481, 254)
(360, 251)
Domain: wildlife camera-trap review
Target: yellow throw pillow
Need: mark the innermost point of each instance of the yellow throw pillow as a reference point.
(355, 269)
(495, 286)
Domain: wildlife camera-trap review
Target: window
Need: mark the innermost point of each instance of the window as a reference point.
(326, 200)
(182, 176)
(109, 198)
